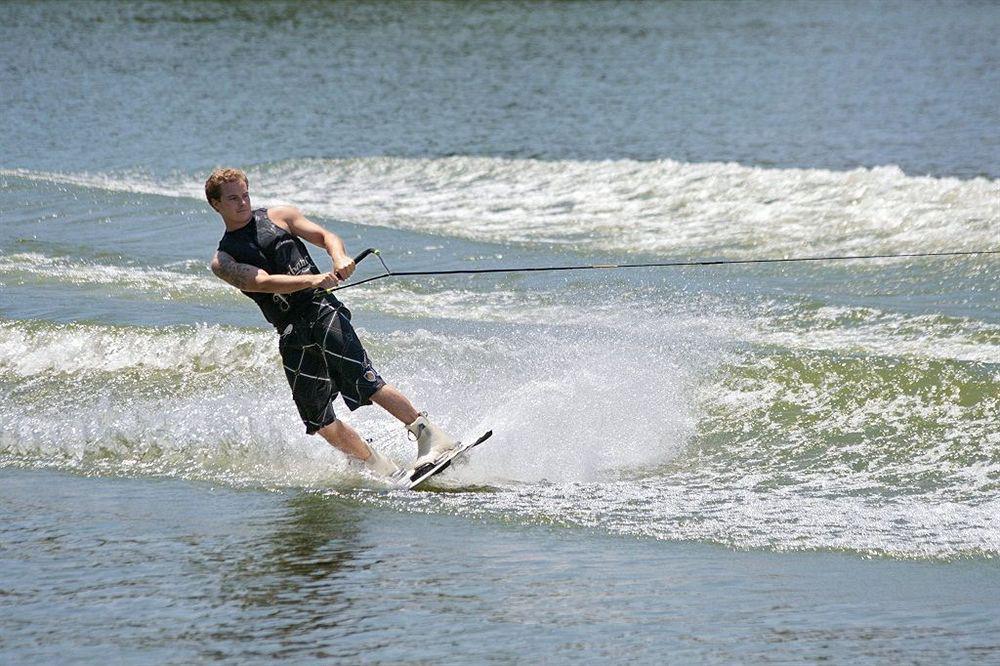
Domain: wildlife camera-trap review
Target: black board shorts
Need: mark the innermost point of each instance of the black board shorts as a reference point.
(322, 357)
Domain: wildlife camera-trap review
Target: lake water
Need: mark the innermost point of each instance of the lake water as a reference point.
(752, 463)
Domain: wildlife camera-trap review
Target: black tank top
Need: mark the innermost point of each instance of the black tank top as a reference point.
(263, 244)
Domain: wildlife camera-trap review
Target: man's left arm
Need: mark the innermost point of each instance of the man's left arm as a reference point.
(293, 221)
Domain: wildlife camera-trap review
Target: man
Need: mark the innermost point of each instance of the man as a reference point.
(262, 255)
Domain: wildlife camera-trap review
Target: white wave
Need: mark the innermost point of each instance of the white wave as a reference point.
(42, 349)
(594, 427)
(28, 349)
(202, 435)
(147, 279)
(877, 332)
(698, 508)
(663, 207)
(866, 457)
(854, 330)
(578, 390)
(396, 298)
(855, 426)
(793, 326)
(141, 183)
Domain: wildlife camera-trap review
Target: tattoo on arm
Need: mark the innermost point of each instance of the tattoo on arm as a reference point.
(239, 275)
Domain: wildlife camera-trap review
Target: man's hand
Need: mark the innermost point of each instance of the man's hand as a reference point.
(343, 266)
(326, 281)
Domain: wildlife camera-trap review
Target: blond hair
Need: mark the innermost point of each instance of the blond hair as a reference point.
(213, 186)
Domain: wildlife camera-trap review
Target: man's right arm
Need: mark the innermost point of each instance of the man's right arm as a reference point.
(246, 277)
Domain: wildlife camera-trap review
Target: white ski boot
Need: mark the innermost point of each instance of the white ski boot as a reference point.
(432, 441)
(380, 464)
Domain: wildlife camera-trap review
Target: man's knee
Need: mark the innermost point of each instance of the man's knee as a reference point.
(332, 429)
(338, 430)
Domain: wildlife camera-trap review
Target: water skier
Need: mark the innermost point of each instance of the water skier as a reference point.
(262, 255)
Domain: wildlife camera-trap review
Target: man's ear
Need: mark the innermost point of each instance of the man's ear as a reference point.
(213, 203)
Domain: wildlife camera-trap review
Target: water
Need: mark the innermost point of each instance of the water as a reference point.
(768, 84)
(790, 462)
(306, 576)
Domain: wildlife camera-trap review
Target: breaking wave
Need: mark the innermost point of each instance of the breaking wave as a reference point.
(650, 425)
(662, 207)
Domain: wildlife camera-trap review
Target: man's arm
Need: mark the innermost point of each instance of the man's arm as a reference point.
(250, 278)
(292, 219)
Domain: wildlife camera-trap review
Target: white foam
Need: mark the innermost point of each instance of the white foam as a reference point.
(629, 426)
(696, 508)
(790, 454)
(663, 207)
(397, 298)
(878, 332)
(794, 326)
(583, 383)
(28, 350)
(151, 280)
(204, 435)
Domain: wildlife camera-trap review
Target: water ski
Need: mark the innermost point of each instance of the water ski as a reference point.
(411, 478)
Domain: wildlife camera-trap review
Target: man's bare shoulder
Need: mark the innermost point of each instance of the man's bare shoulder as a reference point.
(283, 215)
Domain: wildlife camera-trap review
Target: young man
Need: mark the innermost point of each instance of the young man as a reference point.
(261, 254)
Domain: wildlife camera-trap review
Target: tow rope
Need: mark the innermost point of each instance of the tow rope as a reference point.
(659, 264)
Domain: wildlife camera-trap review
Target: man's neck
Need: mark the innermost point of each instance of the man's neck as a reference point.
(235, 226)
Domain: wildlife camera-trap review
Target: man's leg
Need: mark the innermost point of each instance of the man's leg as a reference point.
(346, 439)
(391, 400)
(360, 384)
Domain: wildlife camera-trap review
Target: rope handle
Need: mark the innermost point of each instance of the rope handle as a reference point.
(357, 260)
(361, 257)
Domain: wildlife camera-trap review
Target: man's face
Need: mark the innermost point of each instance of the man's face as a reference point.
(234, 202)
